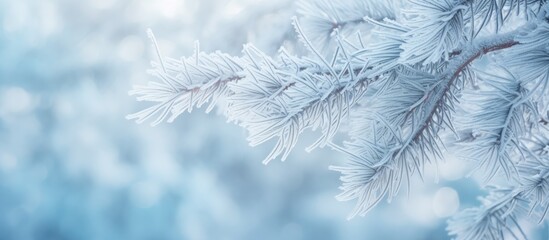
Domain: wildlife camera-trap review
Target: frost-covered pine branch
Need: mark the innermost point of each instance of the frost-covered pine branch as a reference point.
(404, 130)
(407, 73)
(186, 83)
(498, 114)
(282, 98)
(501, 210)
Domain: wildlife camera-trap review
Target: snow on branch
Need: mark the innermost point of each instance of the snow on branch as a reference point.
(487, 15)
(401, 89)
(280, 99)
(321, 19)
(499, 213)
(437, 30)
(385, 52)
(497, 115)
(185, 84)
(497, 216)
(381, 159)
(272, 98)
(403, 132)
(530, 60)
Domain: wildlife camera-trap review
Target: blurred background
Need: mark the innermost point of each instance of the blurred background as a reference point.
(72, 166)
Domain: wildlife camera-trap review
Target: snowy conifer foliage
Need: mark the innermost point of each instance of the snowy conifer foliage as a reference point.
(414, 76)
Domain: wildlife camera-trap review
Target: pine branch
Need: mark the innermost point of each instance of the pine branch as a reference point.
(185, 84)
(400, 92)
(271, 98)
(436, 31)
(500, 211)
(377, 170)
(497, 12)
(499, 117)
(530, 59)
(497, 216)
(324, 19)
(385, 53)
(282, 100)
